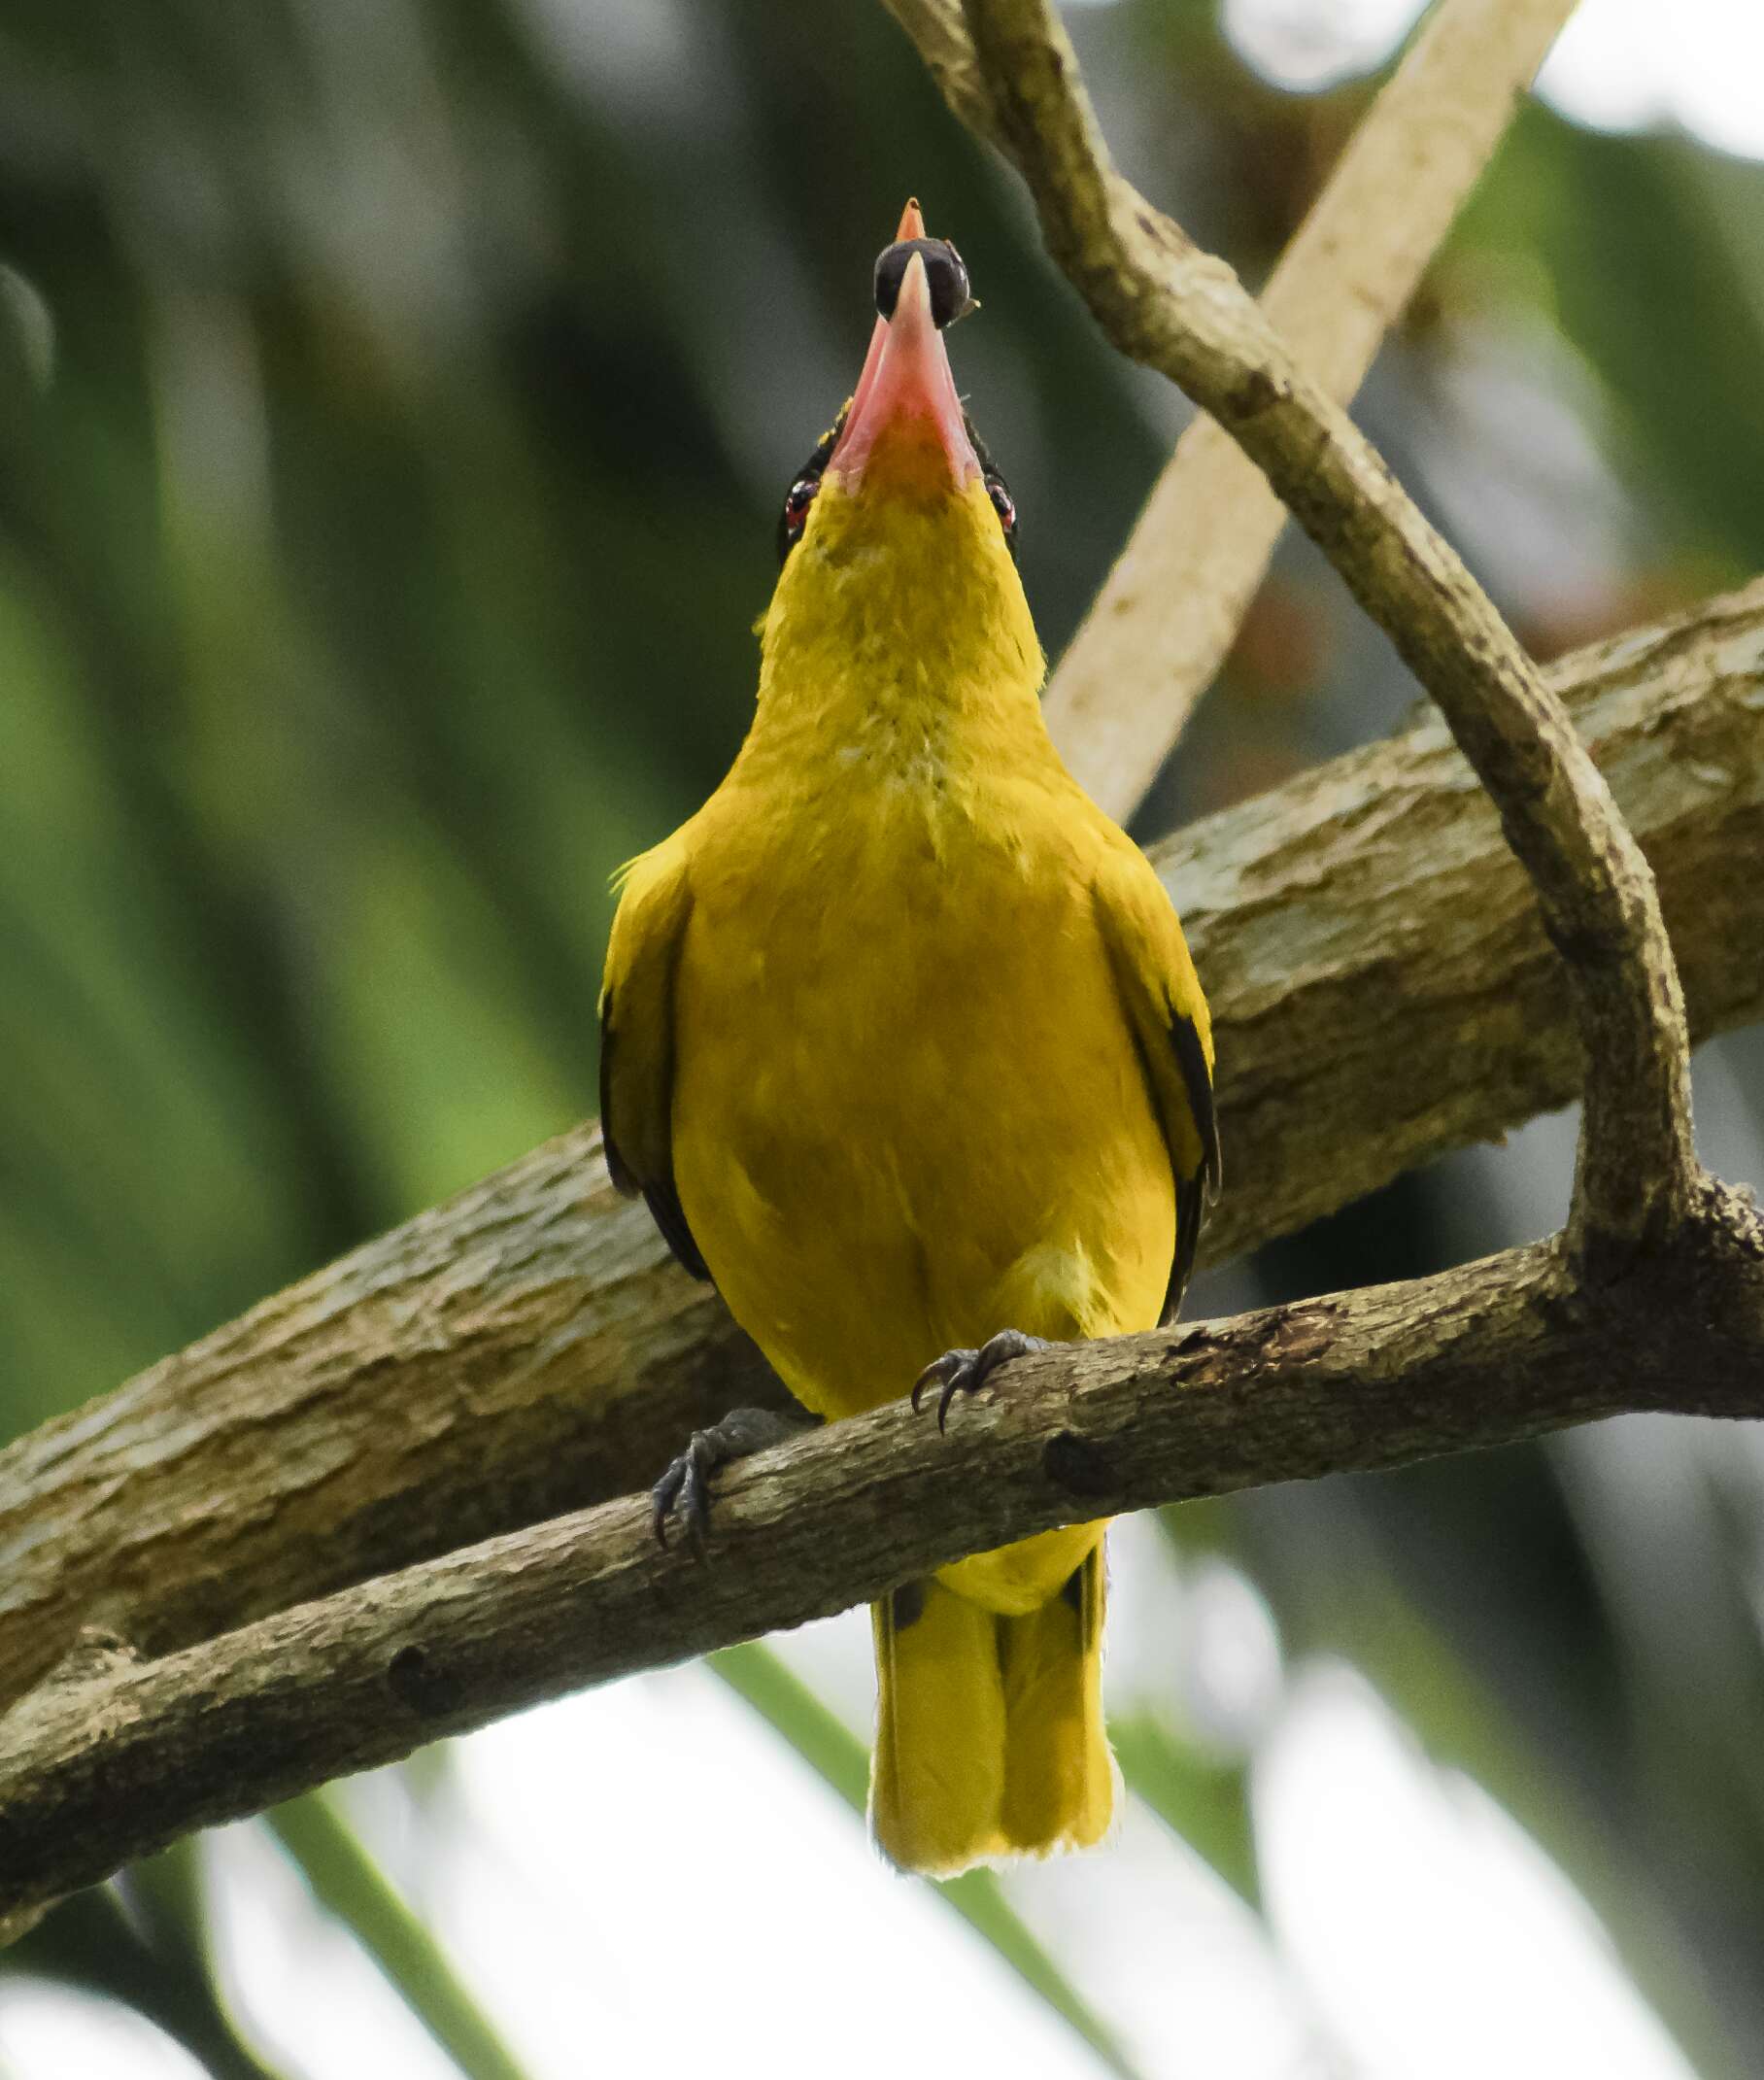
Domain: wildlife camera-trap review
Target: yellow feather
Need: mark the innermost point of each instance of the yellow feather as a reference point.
(913, 1094)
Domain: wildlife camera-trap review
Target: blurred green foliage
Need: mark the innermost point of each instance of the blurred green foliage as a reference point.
(394, 407)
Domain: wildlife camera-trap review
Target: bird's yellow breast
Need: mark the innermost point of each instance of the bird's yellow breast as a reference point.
(901, 1033)
(909, 1111)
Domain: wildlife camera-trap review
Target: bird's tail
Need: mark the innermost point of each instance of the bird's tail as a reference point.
(989, 1729)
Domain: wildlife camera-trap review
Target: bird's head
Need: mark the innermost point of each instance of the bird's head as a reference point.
(898, 536)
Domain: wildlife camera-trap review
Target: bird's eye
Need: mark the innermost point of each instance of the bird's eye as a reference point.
(1005, 506)
(794, 516)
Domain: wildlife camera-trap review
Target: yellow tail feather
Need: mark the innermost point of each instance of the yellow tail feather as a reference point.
(989, 1729)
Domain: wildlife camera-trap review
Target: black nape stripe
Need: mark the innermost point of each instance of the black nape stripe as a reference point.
(793, 518)
(802, 488)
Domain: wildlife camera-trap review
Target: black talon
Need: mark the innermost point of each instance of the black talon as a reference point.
(953, 1385)
(685, 1479)
(661, 1498)
(941, 1369)
(966, 1372)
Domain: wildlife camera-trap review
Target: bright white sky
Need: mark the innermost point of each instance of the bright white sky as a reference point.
(1619, 65)
(644, 1880)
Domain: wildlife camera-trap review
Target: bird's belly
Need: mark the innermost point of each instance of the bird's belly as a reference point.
(900, 1126)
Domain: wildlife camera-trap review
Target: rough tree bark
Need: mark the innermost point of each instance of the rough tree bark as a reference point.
(1163, 301)
(1381, 991)
(118, 1756)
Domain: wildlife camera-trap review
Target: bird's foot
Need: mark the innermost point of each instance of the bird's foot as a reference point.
(686, 1484)
(966, 1372)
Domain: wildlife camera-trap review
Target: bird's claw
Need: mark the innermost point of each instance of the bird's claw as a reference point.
(966, 1372)
(685, 1483)
(951, 1371)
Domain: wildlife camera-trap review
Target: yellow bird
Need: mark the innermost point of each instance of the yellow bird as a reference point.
(903, 1045)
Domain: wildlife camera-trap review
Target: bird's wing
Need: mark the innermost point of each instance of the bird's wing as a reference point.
(1162, 996)
(638, 1040)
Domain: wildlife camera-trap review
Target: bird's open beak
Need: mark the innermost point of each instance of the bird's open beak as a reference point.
(905, 423)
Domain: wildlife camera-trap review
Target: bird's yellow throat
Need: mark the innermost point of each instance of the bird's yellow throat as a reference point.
(902, 589)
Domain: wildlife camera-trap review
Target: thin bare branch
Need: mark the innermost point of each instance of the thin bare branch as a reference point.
(940, 36)
(1381, 993)
(1163, 301)
(122, 1755)
(1171, 608)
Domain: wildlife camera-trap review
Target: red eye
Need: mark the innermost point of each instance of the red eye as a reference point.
(1004, 504)
(794, 516)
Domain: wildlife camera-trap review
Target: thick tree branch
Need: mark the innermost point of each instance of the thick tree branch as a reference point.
(118, 1756)
(1381, 993)
(1163, 301)
(1171, 608)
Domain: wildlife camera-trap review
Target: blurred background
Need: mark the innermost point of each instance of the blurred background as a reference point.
(396, 397)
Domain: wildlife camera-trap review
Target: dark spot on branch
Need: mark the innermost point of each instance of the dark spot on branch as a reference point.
(1255, 395)
(1078, 1465)
(427, 1691)
(1580, 945)
(1304, 1332)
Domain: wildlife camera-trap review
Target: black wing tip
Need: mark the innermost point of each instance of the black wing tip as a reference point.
(665, 1208)
(1191, 1212)
(625, 1181)
(662, 1200)
(667, 1213)
(1197, 1079)
(617, 1169)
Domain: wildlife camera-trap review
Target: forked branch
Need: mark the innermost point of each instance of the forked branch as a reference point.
(1163, 301)
(1172, 607)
